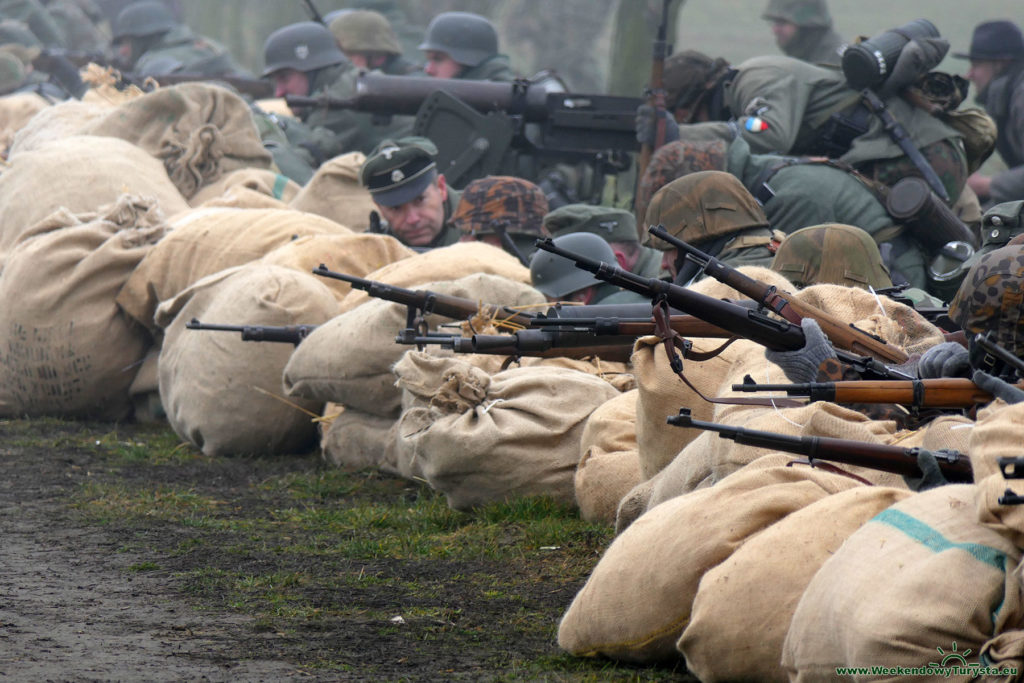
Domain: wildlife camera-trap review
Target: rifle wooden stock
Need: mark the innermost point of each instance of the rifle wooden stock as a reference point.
(656, 100)
(843, 335)
(426, 301)
(953, 392)
(955, 466)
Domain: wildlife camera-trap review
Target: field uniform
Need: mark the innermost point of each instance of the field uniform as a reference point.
(815, 41)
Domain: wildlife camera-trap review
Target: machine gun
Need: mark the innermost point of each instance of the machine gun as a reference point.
(289, 334)
(490, 128)
(955, 466)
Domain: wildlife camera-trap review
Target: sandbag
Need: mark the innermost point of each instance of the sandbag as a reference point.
(205, 241)
(636, 602)
(349, 359)
(354, 440)
(922, 574)
(222, 394)
(80, 175)
(67, 349)
(357, 254)
(447, 263)
(15, 111)
(55, 122)
(262, 180)
(335, 192)
(609, 461)
(489, 438)
(743, 607)
(241, 197)
(199, 131)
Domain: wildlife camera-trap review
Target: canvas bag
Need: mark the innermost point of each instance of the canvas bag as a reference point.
(335, 192)
(609, 464)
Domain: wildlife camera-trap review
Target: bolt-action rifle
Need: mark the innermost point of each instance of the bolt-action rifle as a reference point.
(955, 466)
(289, 334)
(842, 335)
(944, 392)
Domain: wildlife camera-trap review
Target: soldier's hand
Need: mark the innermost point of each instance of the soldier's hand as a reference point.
(948, 359)
(997, 387)
(801, 366)
(931, 476)
(647, 118)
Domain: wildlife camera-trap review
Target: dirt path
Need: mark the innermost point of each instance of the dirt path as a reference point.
(71, 611)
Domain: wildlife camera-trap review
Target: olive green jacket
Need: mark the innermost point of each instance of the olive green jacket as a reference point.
(815, 45)
(495, 68)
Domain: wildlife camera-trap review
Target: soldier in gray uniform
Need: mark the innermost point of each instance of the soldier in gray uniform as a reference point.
(615, 226)
(997, 72)
(464, 45)
(151, 42)
(559, 279)
(803, 30)
(412, 197)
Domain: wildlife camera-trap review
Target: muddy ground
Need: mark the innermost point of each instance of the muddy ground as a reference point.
(75, 607)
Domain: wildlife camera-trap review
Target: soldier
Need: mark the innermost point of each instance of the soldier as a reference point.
(46, 73)
(303, 59)
(997, 72)
(12, 73)
(833, 253)
(559, 279)
(464, 45)
(367, 40)
(803, 30)
(411, 195)
(82, 24)
(711, 210)
(152, 42)
(785, 106)
(615, 226)
(494, 206)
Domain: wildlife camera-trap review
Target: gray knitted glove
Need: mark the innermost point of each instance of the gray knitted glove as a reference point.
(998, 387)
(948, 359)
(801, 366)
(646, 125)
(931, 476)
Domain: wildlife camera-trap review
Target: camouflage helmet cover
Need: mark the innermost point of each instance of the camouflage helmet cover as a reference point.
(143, 19)
(675, 160)
(701, 206)
(305, 46)
(517, 204)
(991, 298)
(558, 277)
(803, 13)
(831, 253)
(365, 31)
(467, 38)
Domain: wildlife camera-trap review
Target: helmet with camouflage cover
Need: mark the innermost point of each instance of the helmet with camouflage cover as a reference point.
(803, 13)
(991, 298)
(675, 160)
(702, 206)
(558, 277)
(688, 75)
(365, 31)
(305, 46)
(12, 72)
(467, 38)
(833, 253)
(514, 203)
(142, 19)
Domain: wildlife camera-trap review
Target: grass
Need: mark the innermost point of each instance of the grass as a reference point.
(308, 552)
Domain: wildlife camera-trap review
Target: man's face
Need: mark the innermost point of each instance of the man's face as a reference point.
(783, 31)
(440, 65)
(982, 72)
(290, 82)
(417, 222)
(668, 263)
(366, 60)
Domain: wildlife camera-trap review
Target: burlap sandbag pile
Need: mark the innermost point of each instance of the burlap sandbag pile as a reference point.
(485, 438)
(609, 464)
(940, 567)
(743, 607)
(637, 601)
(438, 265)
(67, 349)
(351, 254)
(335, 192)
(205, 241)
(262, 181)
(80, 175)
(222, 394)
(200, 132)
(349, 359)
(56, 122)
(16, 111)
(354, 440)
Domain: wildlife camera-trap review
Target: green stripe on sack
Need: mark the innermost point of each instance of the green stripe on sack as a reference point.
(280, 183)
(932, 539)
